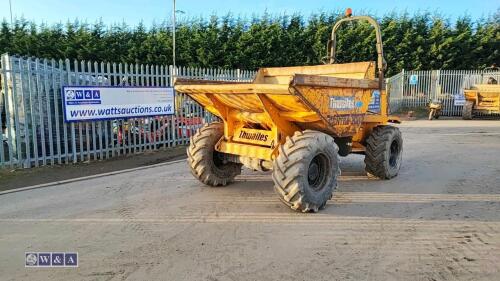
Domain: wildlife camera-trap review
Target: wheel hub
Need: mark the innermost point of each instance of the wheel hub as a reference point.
(218, 159)
(394, 154)
(317, 172)
(313, 172)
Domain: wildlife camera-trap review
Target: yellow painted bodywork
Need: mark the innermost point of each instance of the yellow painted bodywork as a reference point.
(486, 98)
(330, 98)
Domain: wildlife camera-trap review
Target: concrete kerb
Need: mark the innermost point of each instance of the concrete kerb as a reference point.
(89, 177)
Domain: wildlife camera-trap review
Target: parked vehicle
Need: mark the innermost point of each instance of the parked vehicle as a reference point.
(297, 121)
(482, 98)
(435, 108)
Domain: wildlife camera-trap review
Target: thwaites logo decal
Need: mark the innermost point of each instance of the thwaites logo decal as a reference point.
(344, 103)
(261, 137)
(258, 136)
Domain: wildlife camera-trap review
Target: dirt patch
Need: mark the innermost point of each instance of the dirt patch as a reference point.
(10, 179)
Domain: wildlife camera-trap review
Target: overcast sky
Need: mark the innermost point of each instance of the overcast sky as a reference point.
(133, 11)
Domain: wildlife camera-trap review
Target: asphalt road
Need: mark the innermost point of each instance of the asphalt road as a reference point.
(438, 220)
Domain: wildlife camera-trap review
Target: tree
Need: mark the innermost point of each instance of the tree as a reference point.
(420, 41)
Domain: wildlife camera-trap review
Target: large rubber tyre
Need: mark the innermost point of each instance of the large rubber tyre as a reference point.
(205, 162)
(384, 151)
(305, 170)
(467, 110)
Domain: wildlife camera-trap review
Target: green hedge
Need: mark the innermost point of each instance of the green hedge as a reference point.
(420, 41)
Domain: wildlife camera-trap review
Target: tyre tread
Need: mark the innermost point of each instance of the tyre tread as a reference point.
(377, 149)
(286, 172)
(200, 158)
(467, 110)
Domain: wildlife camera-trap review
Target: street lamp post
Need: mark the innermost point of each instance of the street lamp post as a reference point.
(173, 37)
(10, 7)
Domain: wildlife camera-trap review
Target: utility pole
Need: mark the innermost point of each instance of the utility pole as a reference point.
(173, 37)
(10, 7)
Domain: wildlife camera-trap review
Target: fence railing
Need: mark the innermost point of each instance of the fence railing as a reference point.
(34, 132)
(412, 89)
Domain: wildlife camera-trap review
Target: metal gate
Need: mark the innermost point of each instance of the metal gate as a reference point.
(33, 130)
(413, 89)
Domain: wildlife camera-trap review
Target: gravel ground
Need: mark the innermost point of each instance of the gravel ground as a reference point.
(438, 220)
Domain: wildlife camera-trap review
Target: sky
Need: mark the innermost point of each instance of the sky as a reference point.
(134, 11)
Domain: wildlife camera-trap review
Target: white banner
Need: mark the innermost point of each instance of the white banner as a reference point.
(84, 103)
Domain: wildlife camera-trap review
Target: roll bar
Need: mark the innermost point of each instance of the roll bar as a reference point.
(332, 43)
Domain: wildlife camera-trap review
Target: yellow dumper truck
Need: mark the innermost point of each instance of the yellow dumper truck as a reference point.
(483, 98)
(297, 121)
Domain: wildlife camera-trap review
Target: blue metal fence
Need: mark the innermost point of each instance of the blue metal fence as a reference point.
(33, 130)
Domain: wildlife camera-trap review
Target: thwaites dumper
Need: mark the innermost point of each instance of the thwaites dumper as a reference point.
(483, 98)
(297, 121)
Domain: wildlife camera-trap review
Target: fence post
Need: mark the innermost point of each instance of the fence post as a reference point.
(403, 88)
(171, 71)
(16, 141)
(24, 102)
(56, 93)
(32, 109)
(47, 107)
(65, 126)
(11, 136)
(2, 82)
